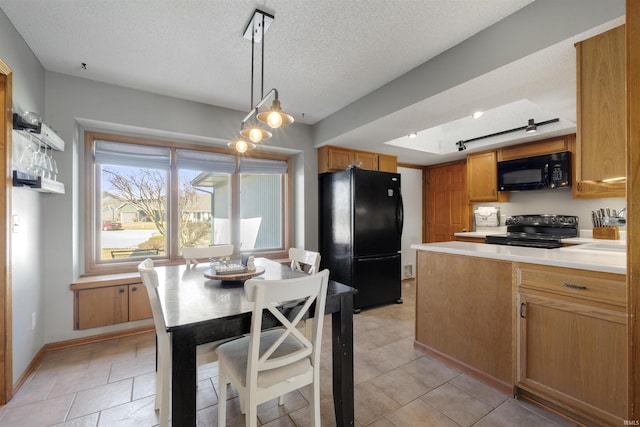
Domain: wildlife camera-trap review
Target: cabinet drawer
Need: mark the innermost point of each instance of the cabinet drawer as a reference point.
(589, 285)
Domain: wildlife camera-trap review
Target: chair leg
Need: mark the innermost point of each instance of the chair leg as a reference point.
(163, 391)
(251, 417)
(315, 403)
(222, 398)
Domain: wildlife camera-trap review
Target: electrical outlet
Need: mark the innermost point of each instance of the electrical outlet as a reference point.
(34, 318)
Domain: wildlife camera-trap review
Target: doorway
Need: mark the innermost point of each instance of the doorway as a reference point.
(6, 375)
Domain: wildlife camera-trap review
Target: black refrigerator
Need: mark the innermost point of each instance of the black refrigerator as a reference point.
(360, 225)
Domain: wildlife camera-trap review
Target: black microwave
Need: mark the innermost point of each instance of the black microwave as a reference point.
(535, 173)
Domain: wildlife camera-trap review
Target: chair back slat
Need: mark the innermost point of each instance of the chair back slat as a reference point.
(301, 258)
(270, 295)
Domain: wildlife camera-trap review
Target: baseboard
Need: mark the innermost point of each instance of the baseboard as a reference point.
(60, 345)
(76, 342)
(27, 372)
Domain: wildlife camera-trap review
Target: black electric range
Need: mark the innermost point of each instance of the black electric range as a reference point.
(536, 231)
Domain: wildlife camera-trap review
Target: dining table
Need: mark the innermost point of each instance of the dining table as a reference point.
(199, 310)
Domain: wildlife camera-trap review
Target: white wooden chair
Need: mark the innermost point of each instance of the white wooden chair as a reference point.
(205, 353)
(303, 260)
(267, 364)
(191, 255)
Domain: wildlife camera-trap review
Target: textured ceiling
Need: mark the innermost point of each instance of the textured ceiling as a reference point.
(322, 56)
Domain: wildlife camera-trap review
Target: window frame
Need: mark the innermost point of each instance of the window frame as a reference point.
(92, 226)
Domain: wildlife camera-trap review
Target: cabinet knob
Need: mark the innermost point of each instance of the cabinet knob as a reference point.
(133, 289)
(523, 310)
(121, 290)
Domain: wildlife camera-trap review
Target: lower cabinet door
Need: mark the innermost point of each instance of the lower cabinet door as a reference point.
(102, 306)
(573, 354)
(139, 306)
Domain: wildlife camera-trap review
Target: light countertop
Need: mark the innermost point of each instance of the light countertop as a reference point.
(610, 262)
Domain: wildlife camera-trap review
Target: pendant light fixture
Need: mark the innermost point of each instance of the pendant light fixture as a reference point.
(251, 126)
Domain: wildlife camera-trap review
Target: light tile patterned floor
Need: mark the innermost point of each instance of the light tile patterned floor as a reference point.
(111, 384)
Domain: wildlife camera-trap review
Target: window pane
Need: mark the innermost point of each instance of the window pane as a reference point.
(261, 211)
(204, 207)
(133, 212)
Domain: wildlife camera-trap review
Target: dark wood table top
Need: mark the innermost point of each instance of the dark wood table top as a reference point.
(189, 298)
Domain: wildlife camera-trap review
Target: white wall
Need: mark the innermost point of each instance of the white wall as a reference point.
(28, 242)
(411, 186)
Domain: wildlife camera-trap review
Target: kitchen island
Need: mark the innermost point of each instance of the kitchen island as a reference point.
(548, 325)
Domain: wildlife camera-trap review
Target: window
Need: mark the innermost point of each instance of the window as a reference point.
(151, 199)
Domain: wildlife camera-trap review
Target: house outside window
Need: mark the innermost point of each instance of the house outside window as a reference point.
(152, 198)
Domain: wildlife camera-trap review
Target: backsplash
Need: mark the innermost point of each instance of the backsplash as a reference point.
(554, 202)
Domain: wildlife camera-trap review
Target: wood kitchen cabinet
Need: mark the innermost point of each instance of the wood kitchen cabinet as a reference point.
(334, 159)
(600, 143)
(104, 300)
(482, 178)
(464, 314)
(571, 341)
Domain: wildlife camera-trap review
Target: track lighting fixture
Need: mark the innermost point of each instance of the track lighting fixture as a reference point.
(532, 126)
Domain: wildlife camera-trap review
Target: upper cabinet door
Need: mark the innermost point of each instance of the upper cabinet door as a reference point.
(482, 178)
(600, 142)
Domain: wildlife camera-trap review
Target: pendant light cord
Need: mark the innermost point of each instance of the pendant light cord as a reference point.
(262, 63)
(252, 55)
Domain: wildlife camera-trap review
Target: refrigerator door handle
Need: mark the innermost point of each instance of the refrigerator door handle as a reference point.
(400, 215)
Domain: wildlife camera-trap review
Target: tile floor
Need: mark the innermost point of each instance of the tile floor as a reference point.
(111, 384)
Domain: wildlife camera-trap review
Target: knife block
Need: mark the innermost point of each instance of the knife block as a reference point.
(608, 233)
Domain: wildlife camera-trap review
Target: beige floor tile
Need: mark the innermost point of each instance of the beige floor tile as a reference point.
(84, 378)
(205, 394)
(132, 414)
(480, 390)
(430, 371)
(546, 414)
(457, 404)
(35, 389)
(382, 422)
(302, 417)
(102, 397)
(511, 414)
(400, 386)
(371, 403)
(419, 413)
(271, 410)
(90, 420)
(144, 386)
(39, 414)
(284, 421)
(133, 367)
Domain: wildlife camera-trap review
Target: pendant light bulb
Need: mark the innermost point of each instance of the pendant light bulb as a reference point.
(241, 146)
(274, 119)
(255, 135)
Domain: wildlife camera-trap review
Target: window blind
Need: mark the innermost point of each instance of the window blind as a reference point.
(140, 156)
(205, 161)
(262, 166)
